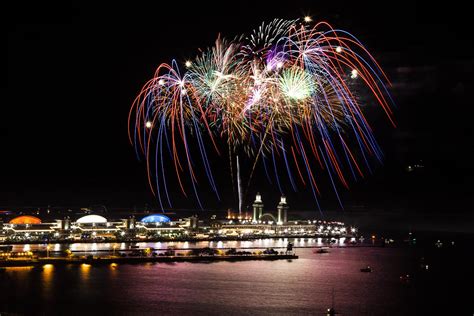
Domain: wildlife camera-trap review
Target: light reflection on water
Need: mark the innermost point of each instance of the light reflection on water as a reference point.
(102, 248)
(85, 271)
(301, 286)
(47, 275)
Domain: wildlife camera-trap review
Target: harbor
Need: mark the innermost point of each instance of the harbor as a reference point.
(188, 251)
(135, 254)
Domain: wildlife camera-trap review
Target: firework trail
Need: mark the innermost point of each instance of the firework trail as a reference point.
(239, 186)
(284, 95)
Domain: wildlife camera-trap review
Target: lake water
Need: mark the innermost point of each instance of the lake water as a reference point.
(305, 286)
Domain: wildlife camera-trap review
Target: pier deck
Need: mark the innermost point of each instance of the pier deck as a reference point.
(109, 260)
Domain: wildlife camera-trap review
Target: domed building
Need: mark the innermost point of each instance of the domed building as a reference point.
(156, 218)
(27, 227)
(94, 227)
(91, 219)
(25, 219)
(159, 225)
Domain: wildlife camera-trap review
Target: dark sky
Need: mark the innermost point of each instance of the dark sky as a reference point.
(73, 71)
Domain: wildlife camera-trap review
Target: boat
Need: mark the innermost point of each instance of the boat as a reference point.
(405, 278)
(322, 250)
(366, 269)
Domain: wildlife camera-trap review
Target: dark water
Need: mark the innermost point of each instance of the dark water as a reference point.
(306, 286)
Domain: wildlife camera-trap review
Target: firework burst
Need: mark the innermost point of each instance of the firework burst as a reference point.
(283, 94)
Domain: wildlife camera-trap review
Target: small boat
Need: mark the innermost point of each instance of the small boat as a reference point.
(405, 278)
(366, 269)
(322, 250)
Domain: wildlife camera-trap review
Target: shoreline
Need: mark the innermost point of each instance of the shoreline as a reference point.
(131, 260)
(87, 241)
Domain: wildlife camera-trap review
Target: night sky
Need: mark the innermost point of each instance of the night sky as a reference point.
(74, 70)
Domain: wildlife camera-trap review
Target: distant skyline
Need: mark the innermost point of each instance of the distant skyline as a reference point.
(74, 70)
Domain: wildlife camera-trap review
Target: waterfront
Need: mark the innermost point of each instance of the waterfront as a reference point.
(17, 227)
(302, 286)
(99, 248)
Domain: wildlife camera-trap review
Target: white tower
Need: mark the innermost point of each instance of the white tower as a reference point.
(282, 211)
(257, 208)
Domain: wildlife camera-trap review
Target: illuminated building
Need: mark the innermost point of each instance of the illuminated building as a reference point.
(25, 219)
(161, 227)
(282, 211)
(257, 208)
(156, 218)
(91, 219)
(27, 226)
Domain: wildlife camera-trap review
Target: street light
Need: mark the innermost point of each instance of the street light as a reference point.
(114, 246)
(47, 250)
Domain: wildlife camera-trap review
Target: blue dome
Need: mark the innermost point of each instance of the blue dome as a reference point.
(156, 218)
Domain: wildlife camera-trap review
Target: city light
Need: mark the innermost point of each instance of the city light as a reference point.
(98, 228)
